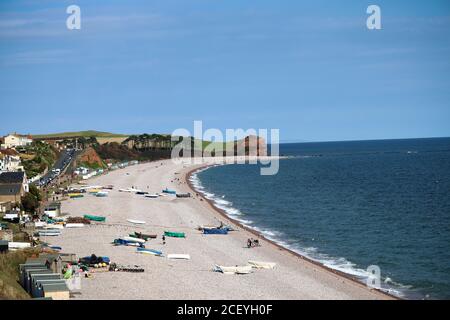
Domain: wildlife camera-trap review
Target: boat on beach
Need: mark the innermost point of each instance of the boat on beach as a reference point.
(136, 221)
(130, 190)
(94, 218)
(215, 231)
(178, 256)
(174, 234)
(168, 191)
(75, 195)
(233, 270)
(262, 264)
(74, 225)
(152, 196)
(149, 251)
(142, 193)
(123, 242)
(143, 236)
(49, 233)
(101, 194)
(132, 239)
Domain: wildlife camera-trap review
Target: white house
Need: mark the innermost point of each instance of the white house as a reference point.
(16, 140)
(10, 163)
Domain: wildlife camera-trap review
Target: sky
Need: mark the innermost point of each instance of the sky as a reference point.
(311, 69)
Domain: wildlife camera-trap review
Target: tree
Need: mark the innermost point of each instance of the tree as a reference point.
(29, 202)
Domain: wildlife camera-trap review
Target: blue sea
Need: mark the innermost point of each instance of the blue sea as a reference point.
(350, 205)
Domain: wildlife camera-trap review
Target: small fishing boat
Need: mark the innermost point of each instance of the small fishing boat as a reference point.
(136, 221)
(132, 239)
(74, 225)
(123, 242)
(75, 195)
(108, 187)
(143, 236)
(262, 264)
(94, 218)
(93, 191)
(57, 248)
(101, 194)
(215, 231)
(178, 256)
(49, 233)
(183, 195)
(18, 245)
(54, 226)
(233, 270)
(174, 234)
(169, 191)
(152, 196)
(149, 251)
(130, 190)
(142, 193)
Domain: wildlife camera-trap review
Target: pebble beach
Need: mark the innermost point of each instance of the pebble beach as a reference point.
(294, 277)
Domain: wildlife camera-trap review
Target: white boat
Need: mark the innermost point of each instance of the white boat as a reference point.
(74, 225)
(131, 239)
(178, 256)
(262, 264)
(49, 233)
(40, 224)
(130, 190)
(234, 270)
(54, 226)
(136, 221)
(152, 196)
(19, 245)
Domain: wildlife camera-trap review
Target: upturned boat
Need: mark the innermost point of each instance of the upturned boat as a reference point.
(149, 251)
(169, 191)
(178, 256)
(215, 231)
(94, 218)
(132, 239)
(136, 221)
(143, 236)
(174, 234)
(75, 195)
(152, 196)
(233, 270)
(262, 264)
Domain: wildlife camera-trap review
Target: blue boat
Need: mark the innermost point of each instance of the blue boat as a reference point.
(215, 231)
(122, 242)
(169, 191)
(149, 251)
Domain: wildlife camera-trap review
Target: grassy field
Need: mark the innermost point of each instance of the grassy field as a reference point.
(88, 133)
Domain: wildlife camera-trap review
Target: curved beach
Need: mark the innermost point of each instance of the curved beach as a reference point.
(294, 276)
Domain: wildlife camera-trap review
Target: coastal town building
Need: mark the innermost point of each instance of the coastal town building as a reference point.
(17, 179)
(10, 161)
(14, 140)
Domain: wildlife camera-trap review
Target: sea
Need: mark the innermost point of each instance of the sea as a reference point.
(351, 206)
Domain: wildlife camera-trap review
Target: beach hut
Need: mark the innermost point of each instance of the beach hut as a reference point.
(56, 291)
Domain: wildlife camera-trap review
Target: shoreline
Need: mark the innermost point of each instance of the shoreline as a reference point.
(294, 278)
(260, 236)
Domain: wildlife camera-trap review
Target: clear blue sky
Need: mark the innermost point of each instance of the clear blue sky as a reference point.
(309, 68)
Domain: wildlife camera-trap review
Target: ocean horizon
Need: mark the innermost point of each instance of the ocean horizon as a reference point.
(350, 205)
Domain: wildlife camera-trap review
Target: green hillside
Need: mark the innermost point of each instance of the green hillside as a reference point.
(87, 133)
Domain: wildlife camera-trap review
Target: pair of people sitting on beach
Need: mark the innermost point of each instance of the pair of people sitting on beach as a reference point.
(252, 243)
